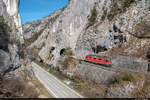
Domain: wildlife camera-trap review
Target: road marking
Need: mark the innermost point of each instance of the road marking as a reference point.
(58, 80)
(50, 91)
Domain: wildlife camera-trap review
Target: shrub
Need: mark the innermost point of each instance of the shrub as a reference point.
(53, 19)
(92, 19)
(117, 79)
(65, 62)
(21, 54)
(69, 63)
(127, 4)
(4, 28)
(115, 8)
(104, 13)
(68, 51)
(126, 77)
(113, 11)
(23, 45)
(129, 77)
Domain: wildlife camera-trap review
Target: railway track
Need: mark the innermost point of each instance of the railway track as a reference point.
(112, 68)
(101, 66)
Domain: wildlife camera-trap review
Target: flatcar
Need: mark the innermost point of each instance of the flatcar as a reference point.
(103, 60)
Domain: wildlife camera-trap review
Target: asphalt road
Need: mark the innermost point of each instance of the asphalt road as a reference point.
(55, 87)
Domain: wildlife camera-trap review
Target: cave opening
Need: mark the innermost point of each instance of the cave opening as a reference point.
(52, 49)
(41, 61)
(99, 48)
(62, 52)
(148, 55)
(116, 29)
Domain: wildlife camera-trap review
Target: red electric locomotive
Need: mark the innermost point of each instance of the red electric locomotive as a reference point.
(103, 60)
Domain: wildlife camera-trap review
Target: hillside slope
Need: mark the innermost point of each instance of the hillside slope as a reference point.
(90, 27)
(116, 28)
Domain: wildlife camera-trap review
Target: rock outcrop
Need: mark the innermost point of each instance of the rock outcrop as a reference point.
(88, 27)
(12, 7)
(10, 35)
(116, 28)
(5, 62)
(124, 91)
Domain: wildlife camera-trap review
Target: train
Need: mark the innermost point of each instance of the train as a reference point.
(102, 60)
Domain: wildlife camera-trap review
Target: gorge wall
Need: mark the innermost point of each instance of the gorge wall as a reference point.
(91, 27)
(116, 28)
(10, 35)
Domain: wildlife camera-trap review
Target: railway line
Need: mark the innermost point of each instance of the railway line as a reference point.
(112, 68)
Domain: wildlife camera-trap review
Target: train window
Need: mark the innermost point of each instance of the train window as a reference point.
(99, 59)
(107, 60)
(94, 58)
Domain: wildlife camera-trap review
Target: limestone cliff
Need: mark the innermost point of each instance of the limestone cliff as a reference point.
(91, 27)
(10, 35)
(12, 7)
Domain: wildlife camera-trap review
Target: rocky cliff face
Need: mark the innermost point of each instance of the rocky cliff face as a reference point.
(10, 35)
(91, 27)
(12, 7)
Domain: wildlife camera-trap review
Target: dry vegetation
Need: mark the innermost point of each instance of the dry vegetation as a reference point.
(94, 90)
(23, 87)
(125, 77)
(16, 87)
(67, 61)
(41, 88)
(142, 29)
(143, 92)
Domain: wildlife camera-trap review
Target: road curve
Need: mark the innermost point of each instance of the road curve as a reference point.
(54, 86)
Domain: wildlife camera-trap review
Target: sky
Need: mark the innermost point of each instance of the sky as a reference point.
(31, 10)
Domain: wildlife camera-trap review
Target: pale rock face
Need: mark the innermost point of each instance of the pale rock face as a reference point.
(70, 28)
(9, 13)
(12, 7)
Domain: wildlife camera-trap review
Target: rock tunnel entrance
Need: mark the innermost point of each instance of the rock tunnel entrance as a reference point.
(62, 52)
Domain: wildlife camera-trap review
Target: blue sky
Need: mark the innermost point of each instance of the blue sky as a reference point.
(31, 10)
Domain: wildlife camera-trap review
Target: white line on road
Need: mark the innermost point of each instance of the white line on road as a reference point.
(50, 91)
(34, 64)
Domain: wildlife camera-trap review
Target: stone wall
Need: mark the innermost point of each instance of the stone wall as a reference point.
(93, 73)
(130, 63)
